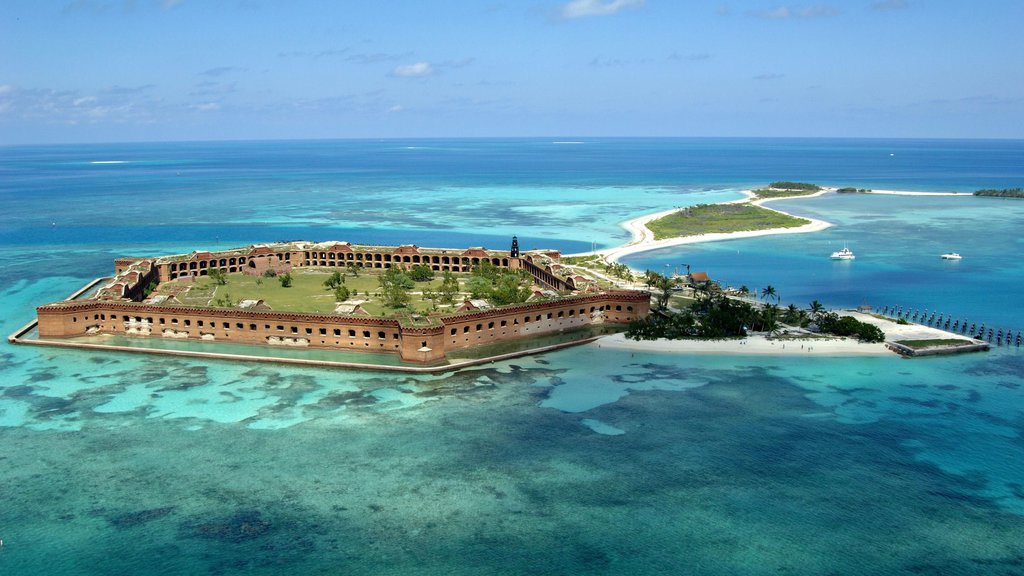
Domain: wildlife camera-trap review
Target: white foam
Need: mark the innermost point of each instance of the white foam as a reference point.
(109, 162)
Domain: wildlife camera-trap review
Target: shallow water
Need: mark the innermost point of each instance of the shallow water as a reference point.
(582, 461)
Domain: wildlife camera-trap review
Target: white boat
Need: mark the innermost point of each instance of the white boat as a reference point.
(844, 254)
(951, 256)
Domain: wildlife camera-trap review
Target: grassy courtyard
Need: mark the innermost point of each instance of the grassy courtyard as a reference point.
(307, 293)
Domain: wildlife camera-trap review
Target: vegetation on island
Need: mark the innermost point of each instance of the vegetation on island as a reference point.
(852, 190)
(599, 268)
(219, 276)
(832, 323)
(395, 285)
(786, 190)
(771, 193)
(715, 314)
(1004, 193)
(720, 218)
(499, 286)
(785, 185)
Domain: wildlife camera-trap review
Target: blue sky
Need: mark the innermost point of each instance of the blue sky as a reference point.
(132, 70)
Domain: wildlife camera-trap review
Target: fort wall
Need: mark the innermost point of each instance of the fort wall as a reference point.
(414, 343)
(282, 258)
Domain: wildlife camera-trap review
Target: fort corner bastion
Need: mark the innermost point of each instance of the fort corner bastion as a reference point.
(141, 300)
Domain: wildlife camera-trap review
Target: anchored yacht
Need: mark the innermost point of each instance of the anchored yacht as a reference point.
(844, 254)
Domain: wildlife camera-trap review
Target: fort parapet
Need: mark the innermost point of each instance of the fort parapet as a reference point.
(118, 307)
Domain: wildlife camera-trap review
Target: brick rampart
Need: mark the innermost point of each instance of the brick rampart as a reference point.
(415, 343)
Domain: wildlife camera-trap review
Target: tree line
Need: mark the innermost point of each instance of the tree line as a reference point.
(786, 185)
(713, 315)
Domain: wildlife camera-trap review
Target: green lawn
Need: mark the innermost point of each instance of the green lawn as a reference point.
(308, 293)
(720, 218)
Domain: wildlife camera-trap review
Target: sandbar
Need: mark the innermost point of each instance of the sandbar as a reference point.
(909, 193)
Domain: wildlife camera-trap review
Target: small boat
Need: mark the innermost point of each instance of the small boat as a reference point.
(844, 254)
(951, 256)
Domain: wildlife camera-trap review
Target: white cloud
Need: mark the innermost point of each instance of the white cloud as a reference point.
(583, 8)
(206, 107)
(396, 108)
(786, 12)
(413, 70)
(168, 4)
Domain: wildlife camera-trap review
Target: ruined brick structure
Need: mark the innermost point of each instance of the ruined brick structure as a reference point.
(119, 306)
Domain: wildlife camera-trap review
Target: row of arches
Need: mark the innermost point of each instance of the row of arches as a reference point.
(322, 259)
(204, 264)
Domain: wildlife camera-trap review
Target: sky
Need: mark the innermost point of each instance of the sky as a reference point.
(163, 70)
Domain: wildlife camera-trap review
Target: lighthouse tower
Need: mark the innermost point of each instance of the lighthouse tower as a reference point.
(515, 248)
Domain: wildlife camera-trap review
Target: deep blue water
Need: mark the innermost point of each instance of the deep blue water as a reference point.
(585, 461)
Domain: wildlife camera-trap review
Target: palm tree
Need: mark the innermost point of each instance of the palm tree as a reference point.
(770, 318)
(769, 292)
(767, 319)
(792, 315)
(816, 309)
(744, 291)
(649, 278)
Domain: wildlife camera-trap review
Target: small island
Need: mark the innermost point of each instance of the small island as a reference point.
(721, 219)
(1004, 193)
(729, 217)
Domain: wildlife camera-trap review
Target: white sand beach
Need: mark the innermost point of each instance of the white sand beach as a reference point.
(755, 345)
(908, 193)
(760, 345)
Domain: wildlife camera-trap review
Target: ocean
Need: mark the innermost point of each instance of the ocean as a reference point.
(582, 461)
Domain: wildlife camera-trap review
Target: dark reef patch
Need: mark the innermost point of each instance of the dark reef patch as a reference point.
(238, 527)
(18, 391)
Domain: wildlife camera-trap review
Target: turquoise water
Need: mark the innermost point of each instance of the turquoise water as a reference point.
(898, 241)
(582, 461)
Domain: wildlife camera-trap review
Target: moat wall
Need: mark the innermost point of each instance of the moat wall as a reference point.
(414, 343)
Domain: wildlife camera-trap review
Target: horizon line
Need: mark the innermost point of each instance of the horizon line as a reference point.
(554, 138)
